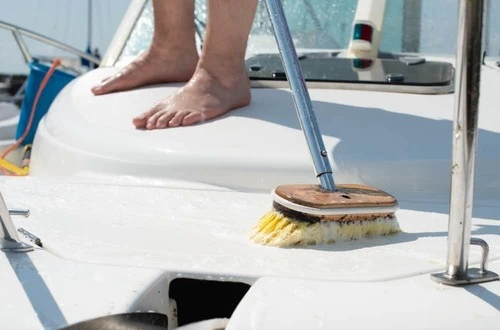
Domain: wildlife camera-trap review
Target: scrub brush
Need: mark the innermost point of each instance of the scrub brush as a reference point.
(325, 213)
(309, 214)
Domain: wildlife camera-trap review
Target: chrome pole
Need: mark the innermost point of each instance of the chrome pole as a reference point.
(469, 53)
(301, 98)
(22, 46)
(465, 131)
(89, 23)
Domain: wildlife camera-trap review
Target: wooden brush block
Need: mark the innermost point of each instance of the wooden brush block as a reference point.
(346, 196)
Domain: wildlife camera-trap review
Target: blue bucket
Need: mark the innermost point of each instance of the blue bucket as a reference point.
(56, 83)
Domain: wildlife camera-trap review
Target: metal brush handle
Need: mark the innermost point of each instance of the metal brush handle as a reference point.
(301, 98)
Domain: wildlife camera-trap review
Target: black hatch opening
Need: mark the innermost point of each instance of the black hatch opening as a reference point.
(199, 300)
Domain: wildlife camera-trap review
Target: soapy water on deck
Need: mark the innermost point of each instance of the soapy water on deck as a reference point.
(79, 225)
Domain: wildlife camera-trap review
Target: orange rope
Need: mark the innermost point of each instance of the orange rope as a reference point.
(42, 86)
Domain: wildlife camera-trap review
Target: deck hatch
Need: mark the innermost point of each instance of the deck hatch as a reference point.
(415, 75)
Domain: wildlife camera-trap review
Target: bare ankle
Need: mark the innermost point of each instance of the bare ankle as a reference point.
(163, 50)
(227, 73)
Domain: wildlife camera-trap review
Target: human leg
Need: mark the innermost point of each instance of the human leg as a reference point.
(220, 82)
(172, 56)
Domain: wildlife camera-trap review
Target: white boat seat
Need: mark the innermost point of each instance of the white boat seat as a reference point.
(397, 142)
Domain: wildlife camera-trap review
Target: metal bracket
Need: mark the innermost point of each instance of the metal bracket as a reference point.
(13, 246)
(9, 240)
(22, 212)
(472, 275)
(9, 245)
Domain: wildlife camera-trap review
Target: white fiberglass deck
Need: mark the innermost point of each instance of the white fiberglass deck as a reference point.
(117, 247)
(397, 142)
(205, 232)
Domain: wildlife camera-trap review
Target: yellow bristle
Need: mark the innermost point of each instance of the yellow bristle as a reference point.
(269, 225)
(268, 222)
(275, 229)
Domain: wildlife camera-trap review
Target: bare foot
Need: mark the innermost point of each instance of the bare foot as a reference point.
(203, 98)
(155, 65)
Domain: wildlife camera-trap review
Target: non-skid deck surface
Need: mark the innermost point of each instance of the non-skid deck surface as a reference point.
(206, 232)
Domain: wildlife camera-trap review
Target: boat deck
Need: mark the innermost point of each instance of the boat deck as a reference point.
(204, 233)
(141, 238)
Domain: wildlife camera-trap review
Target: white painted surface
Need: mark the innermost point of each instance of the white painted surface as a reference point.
(41, 291)
(415, 303)
(206, 232)
(397, 142)
(120, 243)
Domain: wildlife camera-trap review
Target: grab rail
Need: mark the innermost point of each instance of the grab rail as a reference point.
(18, 33)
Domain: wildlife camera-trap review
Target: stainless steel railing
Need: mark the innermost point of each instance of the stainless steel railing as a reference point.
(19, 32)
(465, 131)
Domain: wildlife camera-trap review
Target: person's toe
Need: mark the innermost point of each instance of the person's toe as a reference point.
(108, 86)
(153, 119)
(164, 119)
(177, 119)
(193, 118)
(106, 79)
(141, 120)
(96, 89)
(125, 79)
